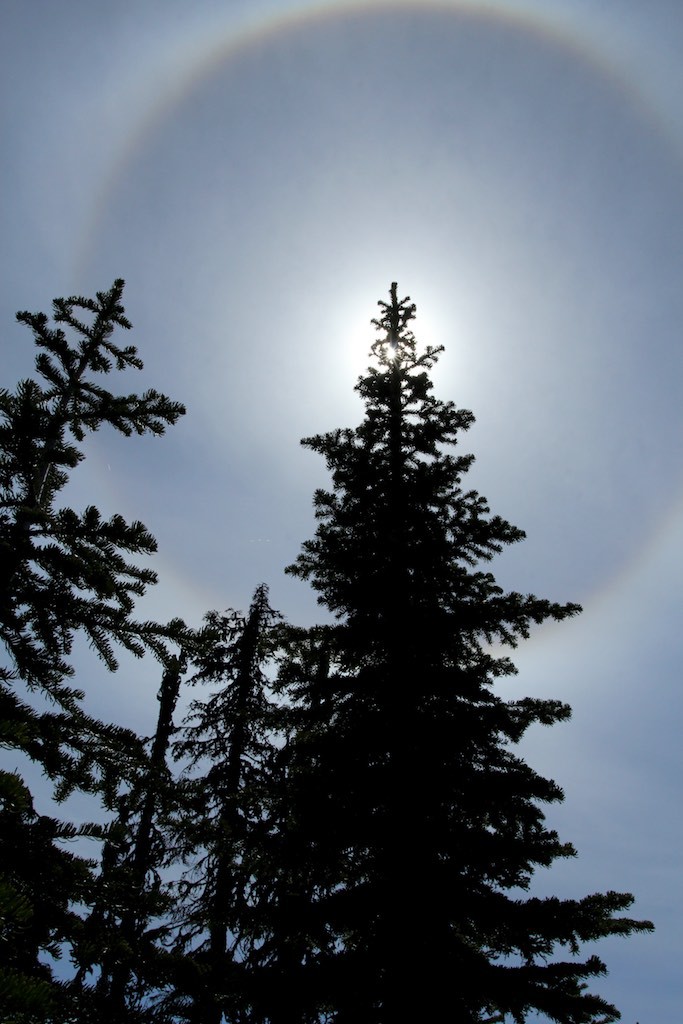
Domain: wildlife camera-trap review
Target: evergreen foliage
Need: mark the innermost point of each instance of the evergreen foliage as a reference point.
(122, 940)
(70, 571)
(225, 746)
(40, 882)
(342, 828)
(64, 573)
(423, 823)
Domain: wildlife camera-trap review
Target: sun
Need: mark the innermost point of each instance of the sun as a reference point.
(350, 336)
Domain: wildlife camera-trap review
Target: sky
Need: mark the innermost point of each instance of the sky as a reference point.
(260, 171)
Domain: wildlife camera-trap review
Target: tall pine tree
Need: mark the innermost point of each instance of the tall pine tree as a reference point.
(407, 798)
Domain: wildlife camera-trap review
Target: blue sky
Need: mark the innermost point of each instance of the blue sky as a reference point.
(259, 173)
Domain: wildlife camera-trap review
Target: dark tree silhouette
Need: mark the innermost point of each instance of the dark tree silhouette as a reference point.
(225, 747)
(121, 941)
(351, 835)
(64, 573)
(40, 881)
(416, 825)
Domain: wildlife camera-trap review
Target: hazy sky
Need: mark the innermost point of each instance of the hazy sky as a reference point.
(259, 172)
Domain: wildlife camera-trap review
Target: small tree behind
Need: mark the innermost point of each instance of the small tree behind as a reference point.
(223, 815)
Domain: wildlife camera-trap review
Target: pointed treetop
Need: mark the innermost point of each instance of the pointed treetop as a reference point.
(396, 347)
(393, 322)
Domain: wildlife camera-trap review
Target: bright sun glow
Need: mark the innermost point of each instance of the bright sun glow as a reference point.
(352, 334)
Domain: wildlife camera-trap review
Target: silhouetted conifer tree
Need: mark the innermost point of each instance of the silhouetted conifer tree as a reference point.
(301, 852)
(406, 798)
(63, 573)
(121, 942)
(355, 839)
(40, 881)
(225, 746)
(66, 572)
